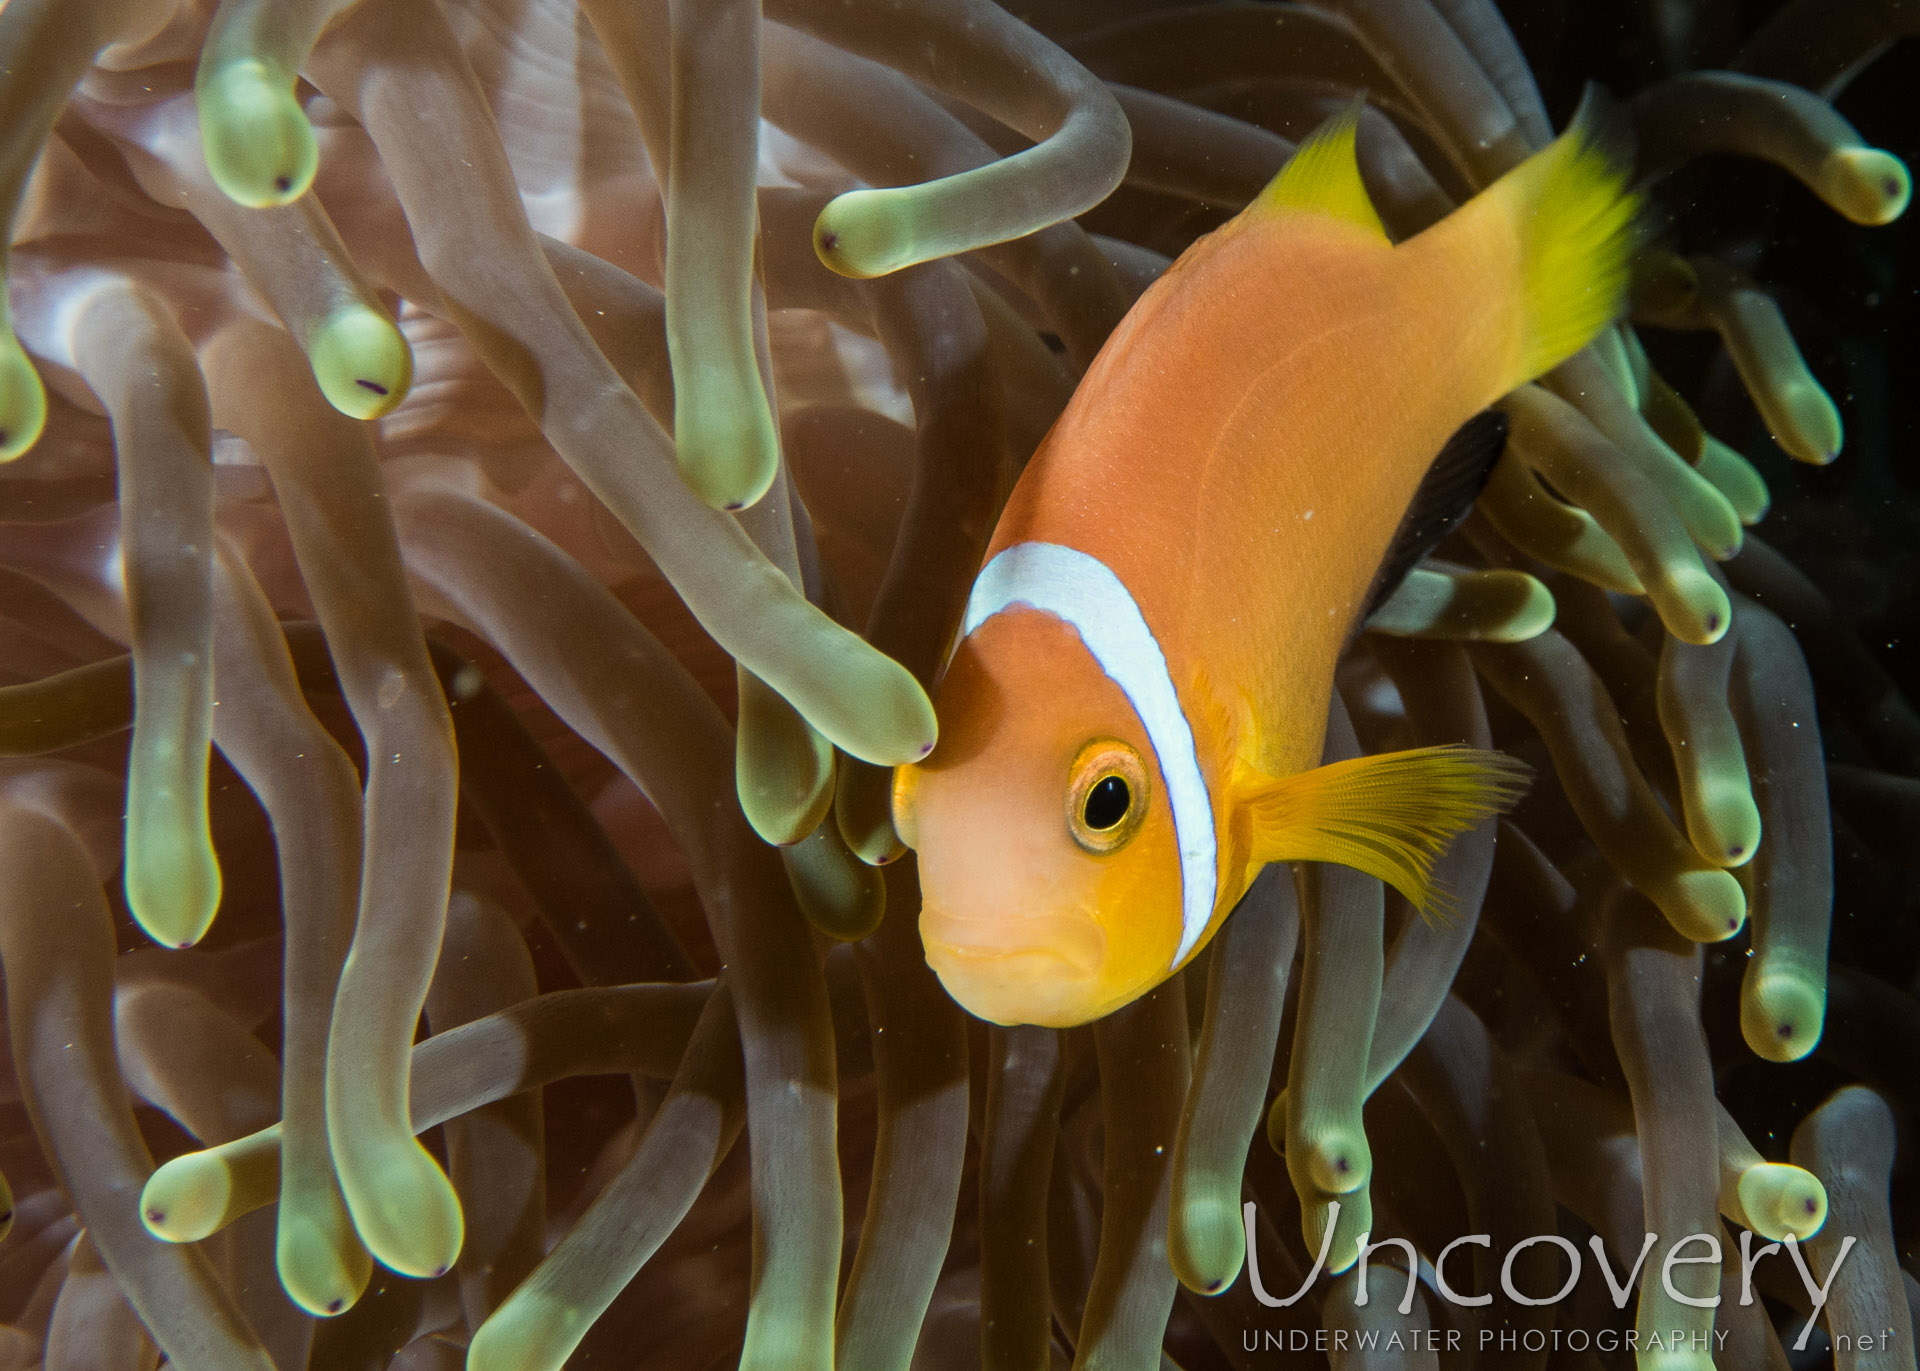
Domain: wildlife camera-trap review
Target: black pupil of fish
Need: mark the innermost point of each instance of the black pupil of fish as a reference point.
(1107, 803)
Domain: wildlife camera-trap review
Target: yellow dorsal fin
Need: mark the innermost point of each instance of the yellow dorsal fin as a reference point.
(1390, 816)
(1323, 176)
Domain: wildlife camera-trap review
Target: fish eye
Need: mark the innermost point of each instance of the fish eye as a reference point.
(1106, 796)
(1107, 802)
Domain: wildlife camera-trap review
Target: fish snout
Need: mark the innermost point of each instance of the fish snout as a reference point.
(1018, 969)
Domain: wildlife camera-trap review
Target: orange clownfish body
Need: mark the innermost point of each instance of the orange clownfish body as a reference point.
(1132, 718)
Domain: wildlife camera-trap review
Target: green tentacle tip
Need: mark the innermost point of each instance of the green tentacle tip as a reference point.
(403, 1207)
(1723, 821)
(1339, 1161)
(172, 880)
(361, 361)
(1485, 606)
(1534, 608)
(1867, 185)
(1277, 1124)
(782, 768)
(187, 1198)
(1809, 423)
(863, 808)
(23, 399)
(1781, 1013)
(1501, 606)
(727, 447)
(1705, 905)
(322, 1266)
(1701, 612)
(841, 896)
(1782, 1200)
(532, 1331)
(1735, 478)
(1714, 523)
(1206, 1240)
(863, 234)
(258, 143)
(1663, 285)
(1355, 1218)
(873, 709)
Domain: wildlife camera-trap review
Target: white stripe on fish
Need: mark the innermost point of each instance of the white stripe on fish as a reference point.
(1082, 592)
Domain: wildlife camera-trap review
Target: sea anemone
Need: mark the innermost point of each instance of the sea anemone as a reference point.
(443, 814)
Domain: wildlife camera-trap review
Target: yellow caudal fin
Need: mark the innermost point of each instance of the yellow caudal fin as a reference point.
(1323, 176)
(1390, 816)
(1579, 223)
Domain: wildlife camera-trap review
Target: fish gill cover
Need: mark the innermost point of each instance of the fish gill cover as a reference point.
(345, 345)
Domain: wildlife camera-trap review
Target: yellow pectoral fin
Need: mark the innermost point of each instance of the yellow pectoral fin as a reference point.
(1390, 816)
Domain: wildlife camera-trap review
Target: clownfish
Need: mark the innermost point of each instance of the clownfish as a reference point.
(1132, 718)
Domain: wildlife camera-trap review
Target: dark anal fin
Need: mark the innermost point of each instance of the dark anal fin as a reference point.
(1444, 499)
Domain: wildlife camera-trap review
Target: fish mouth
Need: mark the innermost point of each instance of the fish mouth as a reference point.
(1021, 970)
(1075, 945)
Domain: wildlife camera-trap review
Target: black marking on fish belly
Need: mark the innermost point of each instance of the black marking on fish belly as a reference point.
(1444, 499)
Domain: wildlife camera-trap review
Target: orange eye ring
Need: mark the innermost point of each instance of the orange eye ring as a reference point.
(1107, 794)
